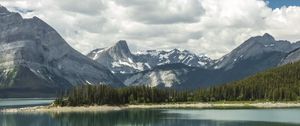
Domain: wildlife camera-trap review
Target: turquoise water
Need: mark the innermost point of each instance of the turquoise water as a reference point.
(23, 102)
(159, 117)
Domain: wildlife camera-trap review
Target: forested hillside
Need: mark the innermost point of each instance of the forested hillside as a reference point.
(278, 84)
(106, 95)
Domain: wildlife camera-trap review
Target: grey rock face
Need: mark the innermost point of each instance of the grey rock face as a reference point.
(3, 9)
(174, 56)
(292, 57)
(34, 45)
(119, 59)
(255, 55)
(170, 76)
(254, 47)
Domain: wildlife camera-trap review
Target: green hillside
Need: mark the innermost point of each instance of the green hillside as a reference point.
(277, 84)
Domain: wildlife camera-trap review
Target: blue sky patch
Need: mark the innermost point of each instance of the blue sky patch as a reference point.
(280, 3)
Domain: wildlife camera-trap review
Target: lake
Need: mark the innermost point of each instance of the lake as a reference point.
(158, 117)
(152, 117)
(23, 102)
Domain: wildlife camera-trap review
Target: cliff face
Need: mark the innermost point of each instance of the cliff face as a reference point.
(292, 57)
(32, 47)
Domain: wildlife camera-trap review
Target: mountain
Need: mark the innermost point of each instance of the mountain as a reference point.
(292, 57)
(277, 84)
(119, 59)
(169, 75)
(35, 61)
(178, 76)
(174, 56)
(253, 47)
(254, 55)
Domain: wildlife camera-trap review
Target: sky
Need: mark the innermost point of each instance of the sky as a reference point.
(279, 3)
(211, 27)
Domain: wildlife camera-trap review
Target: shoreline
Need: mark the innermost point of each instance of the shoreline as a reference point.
(106, 108)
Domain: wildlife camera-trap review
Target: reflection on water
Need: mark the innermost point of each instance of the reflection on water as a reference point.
(134, 117)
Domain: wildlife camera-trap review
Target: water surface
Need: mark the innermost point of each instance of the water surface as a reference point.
(24, 102)
(158, 117)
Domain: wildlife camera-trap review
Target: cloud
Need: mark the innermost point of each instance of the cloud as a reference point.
(283, 23)
(89, 7)
(213, 27)
(163, 11)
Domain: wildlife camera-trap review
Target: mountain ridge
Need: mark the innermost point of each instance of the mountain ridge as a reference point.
(276, 84)
(32, 46)
(256, 54)
(123, 61)
(255, 46)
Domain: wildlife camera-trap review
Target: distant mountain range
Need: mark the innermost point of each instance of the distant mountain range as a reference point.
(161, 68)
(35, 61)
(119, 58)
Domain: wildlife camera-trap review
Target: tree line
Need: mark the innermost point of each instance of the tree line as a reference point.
(106, 95)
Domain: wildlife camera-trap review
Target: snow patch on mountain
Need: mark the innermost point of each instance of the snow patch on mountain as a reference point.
(119, 58)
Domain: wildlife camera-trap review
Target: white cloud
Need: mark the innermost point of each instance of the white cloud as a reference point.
(214, 27)
(284, 23)
(163, 11)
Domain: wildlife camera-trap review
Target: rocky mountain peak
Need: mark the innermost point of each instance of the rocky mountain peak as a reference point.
(254, 47)
(263, 43)
(7, 17)
(3, 9)
(119, 58)
(264, 39)
(121, 44)
(42, 59)
(120, 50)
(175, 50)
(268, 36)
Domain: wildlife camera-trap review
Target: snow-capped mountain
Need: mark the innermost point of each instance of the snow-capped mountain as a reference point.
(35, 58)
(174, 56)
(254, 55)
(119, 59)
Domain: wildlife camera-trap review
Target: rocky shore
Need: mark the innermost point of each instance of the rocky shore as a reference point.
(105, 108)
